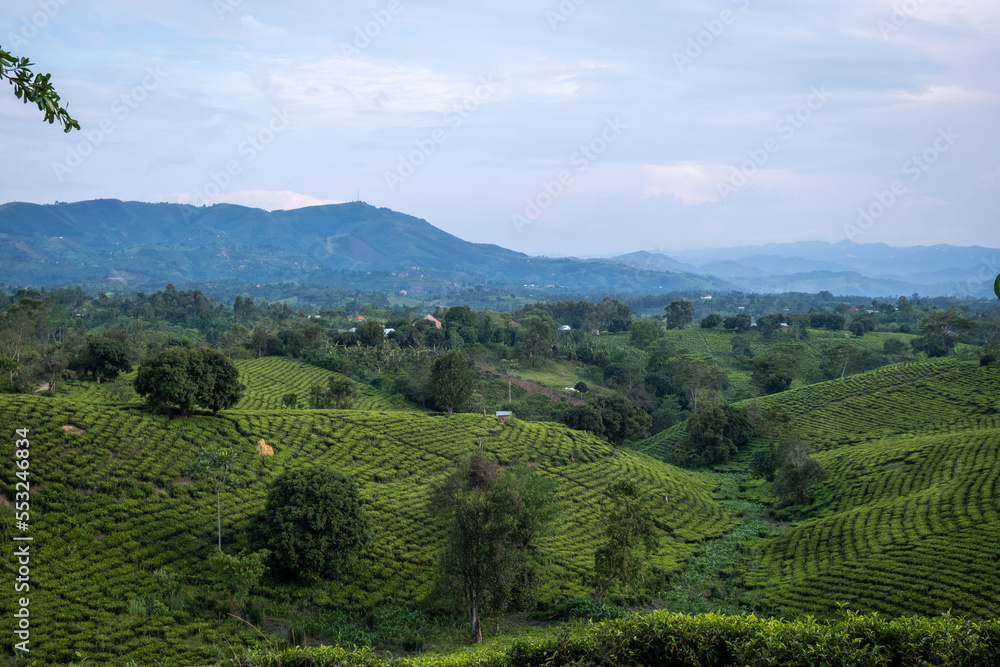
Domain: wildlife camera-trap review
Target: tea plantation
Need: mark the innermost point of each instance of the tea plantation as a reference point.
(909, 520)
(120, 539)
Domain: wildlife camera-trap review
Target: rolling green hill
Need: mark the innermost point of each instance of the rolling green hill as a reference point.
(269, 378)
(114, 524)
(909, 520)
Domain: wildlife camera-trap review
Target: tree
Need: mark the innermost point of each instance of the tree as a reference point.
(797, 470)
(290, 400)
(214, 465)
(219, 384)
(705, 438)
(169, 378)
(451, 382)
(711, 321)
(644, 333)
(313, 522)
(940, 332)
(342, 390)
(697, 375)
(679, 313)
(319, 397)
(36, 88)
(491, 518)
(845, 357)
(738, 323)
(184, 377)
(371, 333)
(631, 534)
(621, 419)
(105, 356)
(534, 337)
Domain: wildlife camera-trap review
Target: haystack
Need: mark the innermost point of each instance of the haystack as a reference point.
(264, 449)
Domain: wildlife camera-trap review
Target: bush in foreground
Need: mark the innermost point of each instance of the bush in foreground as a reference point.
(663, 638)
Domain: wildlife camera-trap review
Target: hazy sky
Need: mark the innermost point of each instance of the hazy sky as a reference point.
(575, 127)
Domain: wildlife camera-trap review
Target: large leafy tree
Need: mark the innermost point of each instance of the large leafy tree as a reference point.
(679, 313)
(219, 386)
(715, 433)
(183, 377)
(313, 522)
(104, 356)
(35, 88)
(451, 381)
(491, 517)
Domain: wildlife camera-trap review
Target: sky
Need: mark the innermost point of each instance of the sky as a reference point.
(556, 127)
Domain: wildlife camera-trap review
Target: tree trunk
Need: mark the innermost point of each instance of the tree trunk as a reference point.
(477, 628)
(218, 504)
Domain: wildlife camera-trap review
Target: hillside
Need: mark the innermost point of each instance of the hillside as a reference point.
(909, 520)
(120, 538)
(114, 244)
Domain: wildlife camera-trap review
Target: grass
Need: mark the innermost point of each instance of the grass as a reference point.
(909, 520)
(111, 515)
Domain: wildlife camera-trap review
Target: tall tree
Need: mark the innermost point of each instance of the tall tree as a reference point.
(219, 386)
(214, 465)
(631, 534)
(491, 518)
(451, 381)
(535, 336)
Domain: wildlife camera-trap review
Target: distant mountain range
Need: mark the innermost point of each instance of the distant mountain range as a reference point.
(144, 246)
(869, 269)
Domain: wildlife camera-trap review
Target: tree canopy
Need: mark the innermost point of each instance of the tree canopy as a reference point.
(491, 517)
(451, 382)
(183, 377)
(313, 522)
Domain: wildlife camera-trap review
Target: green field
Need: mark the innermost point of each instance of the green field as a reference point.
(269, 378)
(112, 518)
(909, 520)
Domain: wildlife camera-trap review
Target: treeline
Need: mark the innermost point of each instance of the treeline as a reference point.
(644, 381)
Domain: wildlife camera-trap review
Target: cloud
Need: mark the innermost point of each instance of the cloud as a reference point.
(692, 183)
(269, 200)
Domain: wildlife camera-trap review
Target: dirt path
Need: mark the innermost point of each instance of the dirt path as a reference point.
(533, 388)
